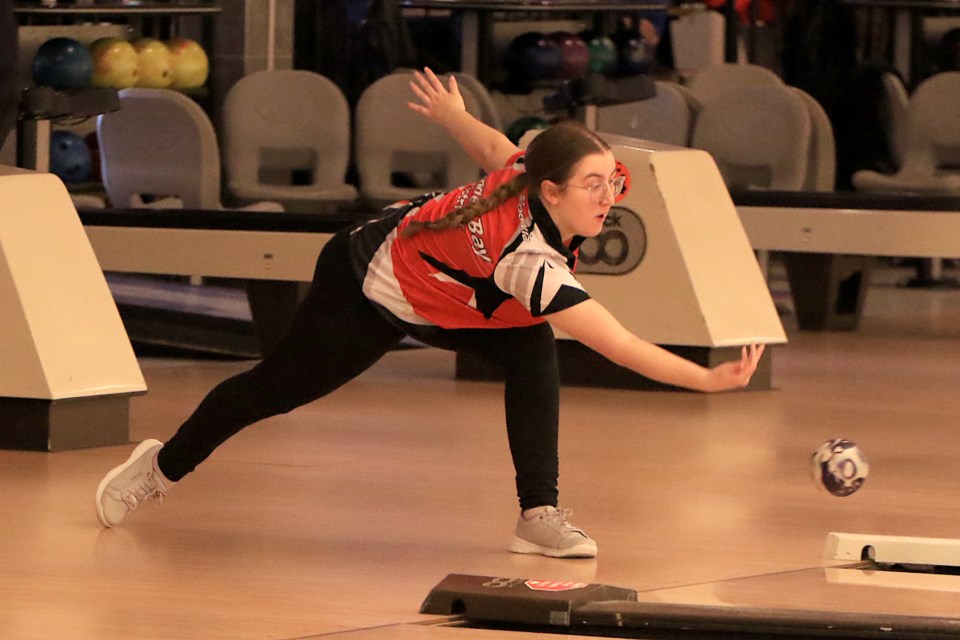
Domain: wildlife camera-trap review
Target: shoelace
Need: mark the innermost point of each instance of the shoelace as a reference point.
(146, 488)
(562, 515)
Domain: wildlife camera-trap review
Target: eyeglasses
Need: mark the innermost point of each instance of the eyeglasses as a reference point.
(599, 191)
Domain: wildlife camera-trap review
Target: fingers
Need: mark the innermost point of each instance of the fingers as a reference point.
(417, 90)
(430, 92)
(427, 84)
(432, 79)
(756, 352)
(737, 373)
(749, 360)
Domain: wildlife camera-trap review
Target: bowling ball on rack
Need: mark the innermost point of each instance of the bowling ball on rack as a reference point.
(62, 63)
(70, 158)
(603, 53)
(190, 63)
(574, 55)
(634, 54)
(523, 124)
(115, 63)
(154, 63)
(533, 56)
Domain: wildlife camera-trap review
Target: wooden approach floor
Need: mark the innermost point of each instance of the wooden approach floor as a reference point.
(337, 520)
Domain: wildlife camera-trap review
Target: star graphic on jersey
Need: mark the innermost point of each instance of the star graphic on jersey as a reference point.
(488, 296)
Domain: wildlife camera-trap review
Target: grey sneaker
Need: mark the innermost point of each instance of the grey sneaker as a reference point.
(545, 530)
(134, 482)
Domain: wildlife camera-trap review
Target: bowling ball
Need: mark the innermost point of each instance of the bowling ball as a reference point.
(839, 467)
(154, 63)
(634, 54)
(190, 63)
(574, 55)
(533, 56)
(62, 63)
(115, 63)
(523, 124)
(603, 53)
(70, 158)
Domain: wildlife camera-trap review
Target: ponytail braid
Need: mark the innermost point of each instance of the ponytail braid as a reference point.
(466, 213)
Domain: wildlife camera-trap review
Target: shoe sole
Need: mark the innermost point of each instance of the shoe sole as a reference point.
(519, 545)
(113, 473)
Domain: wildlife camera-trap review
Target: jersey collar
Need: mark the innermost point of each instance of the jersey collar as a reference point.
(541, 218)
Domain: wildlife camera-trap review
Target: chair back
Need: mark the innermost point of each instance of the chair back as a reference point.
(717, 79)
(822, 157)
(286, 132)
(759, 136)
(399, 153)
(159, 144)
(893, 111)
(664, 118)
(933, 124)
(930, 143)
(489, 113)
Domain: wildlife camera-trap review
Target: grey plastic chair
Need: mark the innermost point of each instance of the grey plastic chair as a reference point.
(664, 118)
(716, 79)
(286, 137)
(399, 153)
(488, 110)
(159, 149)
(759, 135)
(931, 142)
(822, 157)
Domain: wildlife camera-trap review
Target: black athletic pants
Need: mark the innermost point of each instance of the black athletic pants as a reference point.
(336, 335)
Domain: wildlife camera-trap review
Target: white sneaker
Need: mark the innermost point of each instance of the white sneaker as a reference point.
(134, 482)
(545, 530)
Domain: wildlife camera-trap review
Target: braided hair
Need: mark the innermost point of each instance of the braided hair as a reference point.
(472, 210)
(551, 155)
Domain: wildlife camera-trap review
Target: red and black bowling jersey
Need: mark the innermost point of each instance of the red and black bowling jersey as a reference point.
(506, 268)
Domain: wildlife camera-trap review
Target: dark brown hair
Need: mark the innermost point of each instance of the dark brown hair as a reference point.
(551, 155)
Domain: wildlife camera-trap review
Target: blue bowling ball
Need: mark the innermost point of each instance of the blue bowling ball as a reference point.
(533, 56)
(70, 158)
(62, 63)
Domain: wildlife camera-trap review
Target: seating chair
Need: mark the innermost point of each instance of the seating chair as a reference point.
(286, 137)
(399, 153)
(822, 158)
(759, 135)
(664, 118)
(489, 113)
(930, 143)
(894, 114)
(717, 79)
(160, 150)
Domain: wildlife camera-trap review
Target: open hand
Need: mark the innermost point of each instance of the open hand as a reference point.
(435, 101)
(736, 373)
